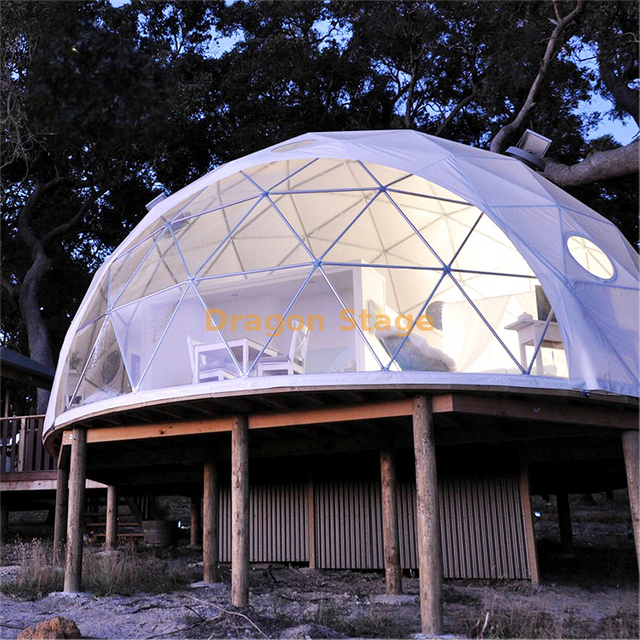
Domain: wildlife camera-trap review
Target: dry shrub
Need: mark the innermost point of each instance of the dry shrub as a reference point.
(37, 575)
(621, 625)
(125, 572)
(515, 622)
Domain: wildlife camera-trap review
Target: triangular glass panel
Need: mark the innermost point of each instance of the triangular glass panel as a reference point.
(320, 218)
(444, 225)
(381, 235)
(266, 176)
(97, 306)
(228, 191)
(140, 326)
(189, 351)
(387, 302)
(124, 266)
(162, 268)
(200, 237)
(79, 352)
(312, 333)
(478, 331)
(489, 249)
(104, 376)
(245, 308)
(328, 175)
(263, 240)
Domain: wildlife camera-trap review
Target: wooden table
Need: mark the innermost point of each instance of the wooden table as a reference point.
(529, 334)
(245, 350)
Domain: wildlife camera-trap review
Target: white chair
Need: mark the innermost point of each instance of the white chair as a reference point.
(292, 362)
(203, 370)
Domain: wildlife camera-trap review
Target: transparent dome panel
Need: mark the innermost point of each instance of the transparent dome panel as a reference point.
(200, 238)
(311, 267)
(263, 239)
(140, 327)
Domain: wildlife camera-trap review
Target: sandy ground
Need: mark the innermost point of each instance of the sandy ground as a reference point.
(591, 595)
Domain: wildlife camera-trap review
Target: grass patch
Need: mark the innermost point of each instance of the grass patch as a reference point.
(515, 622)
(124, 573)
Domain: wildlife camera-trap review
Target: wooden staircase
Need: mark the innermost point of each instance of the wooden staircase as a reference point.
(131, 513)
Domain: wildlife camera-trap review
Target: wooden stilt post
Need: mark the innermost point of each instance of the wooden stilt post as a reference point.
(111, 537)
(527, 513)
(630, 450)
(564, 521)
(427, 517)
(391, 538)
(195, 532)
(4, 521)
(75, 528)
(60, 521)
(209, 523)
(240, 512)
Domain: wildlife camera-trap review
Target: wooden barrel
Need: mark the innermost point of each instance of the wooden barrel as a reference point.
(160, 533)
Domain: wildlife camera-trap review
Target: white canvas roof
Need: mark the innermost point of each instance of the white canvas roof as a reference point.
(521, 283)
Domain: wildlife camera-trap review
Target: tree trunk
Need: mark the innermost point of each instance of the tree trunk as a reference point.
(37, 333)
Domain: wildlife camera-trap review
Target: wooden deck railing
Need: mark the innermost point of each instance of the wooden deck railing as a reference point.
(21, 447)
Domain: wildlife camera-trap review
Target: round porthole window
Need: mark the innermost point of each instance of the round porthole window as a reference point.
(293, 145)
(590, 257)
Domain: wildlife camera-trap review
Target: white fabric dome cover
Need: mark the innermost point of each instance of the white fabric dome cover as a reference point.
(356, 258)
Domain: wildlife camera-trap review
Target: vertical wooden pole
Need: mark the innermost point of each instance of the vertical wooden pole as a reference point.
(195, 533)
(210, 523)
(60, 521)
(4, 521)
(527, 513)
(564, 522)
(240, 512)
(630, 450)
(391, 537)
(427, 517)
(311, 513)
(111, 537)
(75, 528)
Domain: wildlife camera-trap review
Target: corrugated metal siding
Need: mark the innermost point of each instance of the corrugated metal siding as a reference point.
(482, 525)
(279, 523)
(348, 525)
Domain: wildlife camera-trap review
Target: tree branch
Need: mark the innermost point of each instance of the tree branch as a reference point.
(599, 165)
(500, 140)
(623, 96)
(459, 107)
(80, 213)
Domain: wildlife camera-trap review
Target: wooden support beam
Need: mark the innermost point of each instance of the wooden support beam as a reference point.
(111, 534)
(527, 513)
(240, 512)
(75, 528)
(543, 409)
(210, 543)
(427, 518)
(4, 521)
(60, 518)
(391, 537)
(256, 421)
(564, 521)
(630, 450)
(195, 532)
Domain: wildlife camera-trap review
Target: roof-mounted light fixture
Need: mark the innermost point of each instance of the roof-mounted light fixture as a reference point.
(155, 201)
(530, 149)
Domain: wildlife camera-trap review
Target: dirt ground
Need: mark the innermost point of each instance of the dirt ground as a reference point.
(591, 595)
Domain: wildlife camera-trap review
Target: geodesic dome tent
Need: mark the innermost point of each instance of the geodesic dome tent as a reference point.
(356, 258)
